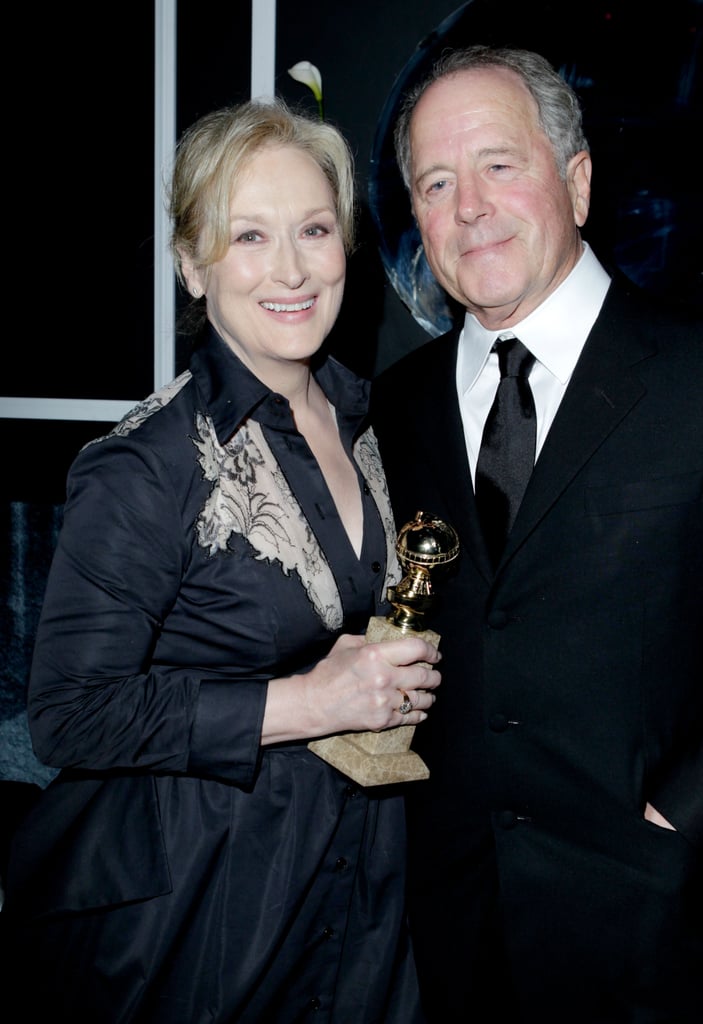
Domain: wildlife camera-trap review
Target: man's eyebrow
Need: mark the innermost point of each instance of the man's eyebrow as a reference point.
(433, 169)
(485, 152)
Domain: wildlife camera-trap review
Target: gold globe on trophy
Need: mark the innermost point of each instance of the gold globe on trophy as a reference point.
(426, 547)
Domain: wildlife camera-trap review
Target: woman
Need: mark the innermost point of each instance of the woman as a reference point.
(222, 551)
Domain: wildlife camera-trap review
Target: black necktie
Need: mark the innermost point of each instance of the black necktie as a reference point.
(507, 454)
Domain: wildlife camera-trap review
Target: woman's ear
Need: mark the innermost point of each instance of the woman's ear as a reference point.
(578, 181)
(194, 278)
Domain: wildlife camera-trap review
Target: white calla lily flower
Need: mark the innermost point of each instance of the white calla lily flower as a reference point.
(309, 75)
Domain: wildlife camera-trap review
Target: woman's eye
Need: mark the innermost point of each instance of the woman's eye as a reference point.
(248, 236)
(314, 230)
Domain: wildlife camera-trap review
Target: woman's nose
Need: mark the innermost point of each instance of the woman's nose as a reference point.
(290, 267)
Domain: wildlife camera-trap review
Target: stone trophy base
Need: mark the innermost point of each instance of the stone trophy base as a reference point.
(377, 758)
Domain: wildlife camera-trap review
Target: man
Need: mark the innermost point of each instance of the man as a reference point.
(555, 851)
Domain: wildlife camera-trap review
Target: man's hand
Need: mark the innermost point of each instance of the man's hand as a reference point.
(656, 818)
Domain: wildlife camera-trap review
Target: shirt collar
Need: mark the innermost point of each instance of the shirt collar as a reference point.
(232, 393)
(576, 303)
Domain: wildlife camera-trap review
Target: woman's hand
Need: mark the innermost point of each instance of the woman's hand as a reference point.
(358, 687)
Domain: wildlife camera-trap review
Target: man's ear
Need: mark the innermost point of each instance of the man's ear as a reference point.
(578, 181)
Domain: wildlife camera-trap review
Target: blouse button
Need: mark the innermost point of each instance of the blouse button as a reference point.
(367, 489)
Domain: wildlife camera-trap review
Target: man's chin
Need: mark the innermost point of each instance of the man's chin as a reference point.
(487, 293)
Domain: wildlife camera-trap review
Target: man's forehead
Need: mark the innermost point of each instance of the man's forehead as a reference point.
(476, 91)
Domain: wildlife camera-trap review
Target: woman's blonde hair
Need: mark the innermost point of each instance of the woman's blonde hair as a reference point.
(212, 155)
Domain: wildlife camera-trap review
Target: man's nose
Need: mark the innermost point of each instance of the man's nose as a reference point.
(472, 201)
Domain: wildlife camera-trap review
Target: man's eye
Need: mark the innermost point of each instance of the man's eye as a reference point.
(437, 186)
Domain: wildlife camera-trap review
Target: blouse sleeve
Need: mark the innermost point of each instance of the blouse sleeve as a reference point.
(97, 701)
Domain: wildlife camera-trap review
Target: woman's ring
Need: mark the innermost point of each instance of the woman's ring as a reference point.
(406, 706)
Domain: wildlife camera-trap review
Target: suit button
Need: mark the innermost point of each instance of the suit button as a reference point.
(498, 619)
(375, 567)
(506, 819)
(498, 723)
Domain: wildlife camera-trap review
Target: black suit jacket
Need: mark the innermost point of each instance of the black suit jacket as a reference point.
(572, 687)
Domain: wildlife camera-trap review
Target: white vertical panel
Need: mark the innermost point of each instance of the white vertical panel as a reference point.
(263, 49)
(164, 142)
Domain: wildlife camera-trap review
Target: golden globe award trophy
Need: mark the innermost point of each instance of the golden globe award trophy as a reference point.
(426, 547)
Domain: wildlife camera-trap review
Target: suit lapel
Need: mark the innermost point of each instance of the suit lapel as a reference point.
(603, 389)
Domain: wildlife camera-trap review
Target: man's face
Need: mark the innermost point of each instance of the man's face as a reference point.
(499, 225)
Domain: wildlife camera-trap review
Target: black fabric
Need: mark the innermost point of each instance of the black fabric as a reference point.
(507, 454)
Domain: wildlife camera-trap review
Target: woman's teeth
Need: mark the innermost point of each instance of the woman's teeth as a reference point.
(287, 307)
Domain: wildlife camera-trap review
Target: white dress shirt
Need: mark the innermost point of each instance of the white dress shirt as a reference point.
(554, 333)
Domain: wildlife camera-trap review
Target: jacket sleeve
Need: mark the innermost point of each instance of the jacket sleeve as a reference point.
(678, 793)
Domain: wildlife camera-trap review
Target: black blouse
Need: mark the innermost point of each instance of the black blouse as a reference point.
(195, 875)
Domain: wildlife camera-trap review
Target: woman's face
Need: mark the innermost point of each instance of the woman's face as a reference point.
(276, 294)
